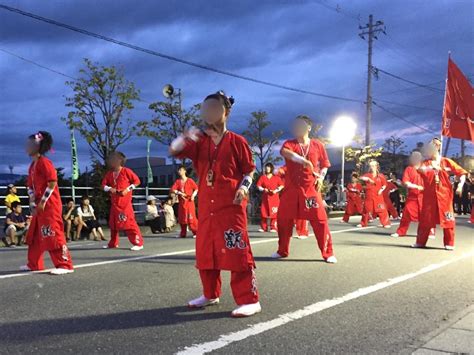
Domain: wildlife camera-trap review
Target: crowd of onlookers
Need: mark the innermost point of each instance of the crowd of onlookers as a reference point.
(80, 221)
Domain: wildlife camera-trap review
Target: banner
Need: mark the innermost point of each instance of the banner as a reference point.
(74, 160)
(458, 110)
(150, 172)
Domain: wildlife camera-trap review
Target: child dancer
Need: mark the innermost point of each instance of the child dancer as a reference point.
(224, 165)
(354, 199)
(270, 185)
(186, 190)
(46, 232)
(307, 164)
(119, 182)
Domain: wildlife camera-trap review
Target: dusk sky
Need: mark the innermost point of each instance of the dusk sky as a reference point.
(303, 44)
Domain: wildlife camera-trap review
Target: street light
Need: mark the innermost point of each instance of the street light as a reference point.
(341, 134)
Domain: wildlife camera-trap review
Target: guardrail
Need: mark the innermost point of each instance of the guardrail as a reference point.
(139, 196)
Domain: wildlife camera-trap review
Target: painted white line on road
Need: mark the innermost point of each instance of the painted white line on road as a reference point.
(143, 257)
(258, 328)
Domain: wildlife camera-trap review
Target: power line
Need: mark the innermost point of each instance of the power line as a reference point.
(409, 88)
(404, 119)
(406, 105)
(37, 64)
(378, 70)
(172, 58)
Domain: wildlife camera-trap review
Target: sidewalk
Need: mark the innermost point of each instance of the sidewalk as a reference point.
(457, 338)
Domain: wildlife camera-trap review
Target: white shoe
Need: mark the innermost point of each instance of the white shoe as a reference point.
(302, 237)
(449, 247)
(417, 246)
(194, 236)
(107, 247)
(202, 302)
(432, 236)
(394, 235)
(273, 231)
(24, 268)
(342, 221)
(261, 230)
(359, 225)
(331, 260)
(61, 271)
(388, 226)
(247, 310)
(136, 248)
(275, 255)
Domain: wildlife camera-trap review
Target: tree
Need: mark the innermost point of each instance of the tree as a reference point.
(260, 142)
(101, 106)
(394, 145)
(169, 120)
(360, 154)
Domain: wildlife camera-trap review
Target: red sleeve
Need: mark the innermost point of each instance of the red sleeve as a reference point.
(105, 180)
(245, 157)
(193, 185)
(190, 150)
(133, 178)
(48, 170)
(383, 180)
(280, 181)
(175, 186)
(287, 145)
(455, 167)
(323, 156)
(29, 182)
(407, 176)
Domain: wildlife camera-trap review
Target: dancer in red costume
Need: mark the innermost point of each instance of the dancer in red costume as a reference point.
(224, 165)
(186, 190)
(374, 205)
(307, 163)
(354, 199)
(414, 184)
(46, 232)
(438, 196)
(119, 182)
(270, 185)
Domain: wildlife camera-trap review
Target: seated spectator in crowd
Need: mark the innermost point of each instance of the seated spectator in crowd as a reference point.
(174, 202)
(88, 221)
(155, 216)
(170, 216)
(11, 197)
(70, 218)
(16, 226)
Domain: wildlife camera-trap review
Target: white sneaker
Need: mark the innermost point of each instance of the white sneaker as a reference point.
(194, 236)
(449, 247)
(302, 237)
(61, 271)
(136, 248)
(417, 246)
(342, 221)
(359, 225)
(275, 255)
(202, 302)
(261, 230)
(273, 231)
(394, 235)
(388, 226)
(24, 268)
(246, 310)
(331, 260)
(107, 247)
(432, 236)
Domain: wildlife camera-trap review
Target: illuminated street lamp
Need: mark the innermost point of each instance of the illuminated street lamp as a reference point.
(341, 134)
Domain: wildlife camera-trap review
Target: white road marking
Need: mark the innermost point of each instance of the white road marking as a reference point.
(143, 257)
(258, 328)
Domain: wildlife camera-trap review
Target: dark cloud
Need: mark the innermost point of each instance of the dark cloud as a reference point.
(296, 43)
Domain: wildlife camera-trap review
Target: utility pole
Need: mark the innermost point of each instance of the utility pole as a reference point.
(463, 148)
(370, 30)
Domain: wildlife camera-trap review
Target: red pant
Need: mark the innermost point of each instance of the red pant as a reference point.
(392, 211)
(264, 224)
(302, 227)
(184, 229)
(60, 257)
(134, 236)
(383, 217)
(321, 231)
(424, 233)
(243, 284)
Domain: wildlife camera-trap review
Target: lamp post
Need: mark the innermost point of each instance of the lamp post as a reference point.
(341, 134)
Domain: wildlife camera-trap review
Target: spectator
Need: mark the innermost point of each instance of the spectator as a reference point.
(11, 197)
(395, 195)
(170, 216)
(88, 221)
(155, 216)
(70, 218)
(16, 226)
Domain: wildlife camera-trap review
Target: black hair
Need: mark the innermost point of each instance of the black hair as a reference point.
(355, 175)
(226, 101)
(9, 188)
(305, 118)
(44, 140)
(15, 204)
(69, 199)
(393, 173)
(270, 165)
(85, 197)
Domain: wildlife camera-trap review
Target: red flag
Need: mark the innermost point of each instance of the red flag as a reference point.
(458, 110)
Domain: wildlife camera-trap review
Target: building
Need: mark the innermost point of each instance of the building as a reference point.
(164, 174)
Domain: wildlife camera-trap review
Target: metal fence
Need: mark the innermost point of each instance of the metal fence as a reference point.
(139, 196)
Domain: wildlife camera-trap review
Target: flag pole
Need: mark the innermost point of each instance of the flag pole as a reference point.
(444, 110)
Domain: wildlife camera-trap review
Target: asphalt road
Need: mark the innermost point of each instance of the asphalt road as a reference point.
(382, 297)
